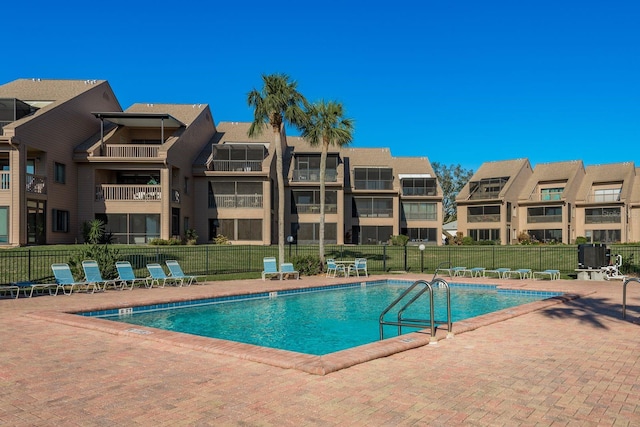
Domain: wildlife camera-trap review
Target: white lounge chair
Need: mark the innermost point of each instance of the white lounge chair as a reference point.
(159, 277)
(551, 274)
(499, 272)
(92, 274)
(522, 273)
(473, 272)
(452, 271)
(360, 265)
(64, 279)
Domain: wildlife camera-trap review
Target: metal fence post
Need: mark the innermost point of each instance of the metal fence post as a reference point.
(384, 258)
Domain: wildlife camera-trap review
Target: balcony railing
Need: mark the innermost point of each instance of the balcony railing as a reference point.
(484, 218)
(603, 198)
(315, 209)
(313, 175)
(237, 165)
(373, 185)
(235, 201)
(418, 191)
(121, 192)
(131, 150)
(5, 177)
(534, 219)
(36, 184)
(602, 219)
(382, 213)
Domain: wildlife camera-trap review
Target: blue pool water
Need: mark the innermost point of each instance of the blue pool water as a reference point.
(318, 322)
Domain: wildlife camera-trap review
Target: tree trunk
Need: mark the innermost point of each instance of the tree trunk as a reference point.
(323, 173)
(278, 134)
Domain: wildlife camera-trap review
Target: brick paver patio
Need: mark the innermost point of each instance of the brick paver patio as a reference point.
(571, 363)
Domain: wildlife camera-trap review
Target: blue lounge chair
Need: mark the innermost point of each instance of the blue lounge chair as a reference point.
(473, 272)
(551, 274)
(127, 277)
(176, 272)
(159, 277)
(287, 269)
(64, 280)
(270, 268)
(92, 275)
(453, 271)
(522, 273)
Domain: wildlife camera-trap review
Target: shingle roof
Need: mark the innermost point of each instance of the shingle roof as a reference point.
(612, 172)
(497, 169)
(567, 172)
(186, 113)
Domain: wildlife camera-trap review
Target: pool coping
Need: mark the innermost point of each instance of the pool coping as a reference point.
(312, 364)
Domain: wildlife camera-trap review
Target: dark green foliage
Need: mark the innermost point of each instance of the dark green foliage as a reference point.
(307, 265)
(105, 255)
(581, 240)
(399, 240)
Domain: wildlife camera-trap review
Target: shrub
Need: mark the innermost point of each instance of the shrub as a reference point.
(399, 240)
(221, 240)
(159, 242)
(524, 238)
(581, 240)
(105, 255)
(467, 240)
(307, 265)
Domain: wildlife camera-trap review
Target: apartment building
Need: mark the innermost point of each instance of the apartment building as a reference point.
(546, 206)
(487, 204)
(557, 203)
(41, 122)
(71, 154)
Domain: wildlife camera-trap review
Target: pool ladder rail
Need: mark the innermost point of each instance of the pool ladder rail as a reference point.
(419, 323)
(624, 295)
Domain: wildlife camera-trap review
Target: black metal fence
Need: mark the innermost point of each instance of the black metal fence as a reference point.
(34, 264)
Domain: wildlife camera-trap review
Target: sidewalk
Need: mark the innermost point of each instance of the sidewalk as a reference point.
(572, 363)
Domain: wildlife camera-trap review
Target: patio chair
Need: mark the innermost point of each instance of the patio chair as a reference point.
(552, 274)
(176, 272)
(64, 280)
(92, 274)
(333, 268)
(159, 277)
(270, 268)
(359, 265)
(286, 269)
(499, 272)
(127, 277)
(522, 273)
(452, 271)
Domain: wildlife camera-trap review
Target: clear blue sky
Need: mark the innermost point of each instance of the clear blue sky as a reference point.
(458, 81)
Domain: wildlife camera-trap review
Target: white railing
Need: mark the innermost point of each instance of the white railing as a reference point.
(236, 201)
(237, 165)
(118, 192)
(131, 150)
(36, 184)
(5, 177)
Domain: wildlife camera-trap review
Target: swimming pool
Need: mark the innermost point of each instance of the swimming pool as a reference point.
(315, 321)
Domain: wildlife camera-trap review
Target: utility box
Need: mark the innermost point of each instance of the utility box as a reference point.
(593, 256)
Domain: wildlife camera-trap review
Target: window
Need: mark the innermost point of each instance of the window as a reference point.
(60, 221)
(488, 188)
(235, 194)
(546, 236)
(236, 229)
(186, 185)
(420, 234)
(544, 214)
(489, 213)
(485, 234)
(59, 173)
(603, 236)
(602, 215)
(4, 224)
(374, 235)
(372, 207)
(132, 228)
(309, 233)
(308, 201)
(418, 187)
(419, 210)
(307, 168)
(551, 193)
(373, 178)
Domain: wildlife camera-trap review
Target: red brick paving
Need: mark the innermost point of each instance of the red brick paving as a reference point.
(575, 362)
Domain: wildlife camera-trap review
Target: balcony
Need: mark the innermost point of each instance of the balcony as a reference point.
(233, 201)
(603, 197)
(120, 192)
(313, 175)
(237, 165)
(536, 219)
(484, 218)
(131, 150)
(5, 177)
(418, 191)
(603, 219)
(373, 185)
(36, 184)
(380, 213)
(315, 209)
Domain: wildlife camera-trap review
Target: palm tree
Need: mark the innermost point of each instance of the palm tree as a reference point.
(278, 103)
(326, 125)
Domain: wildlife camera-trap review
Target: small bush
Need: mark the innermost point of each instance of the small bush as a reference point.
(307, 265)
(159, 242)
(221, 240)
(524, 238)
(399, 240)
(580, 240)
